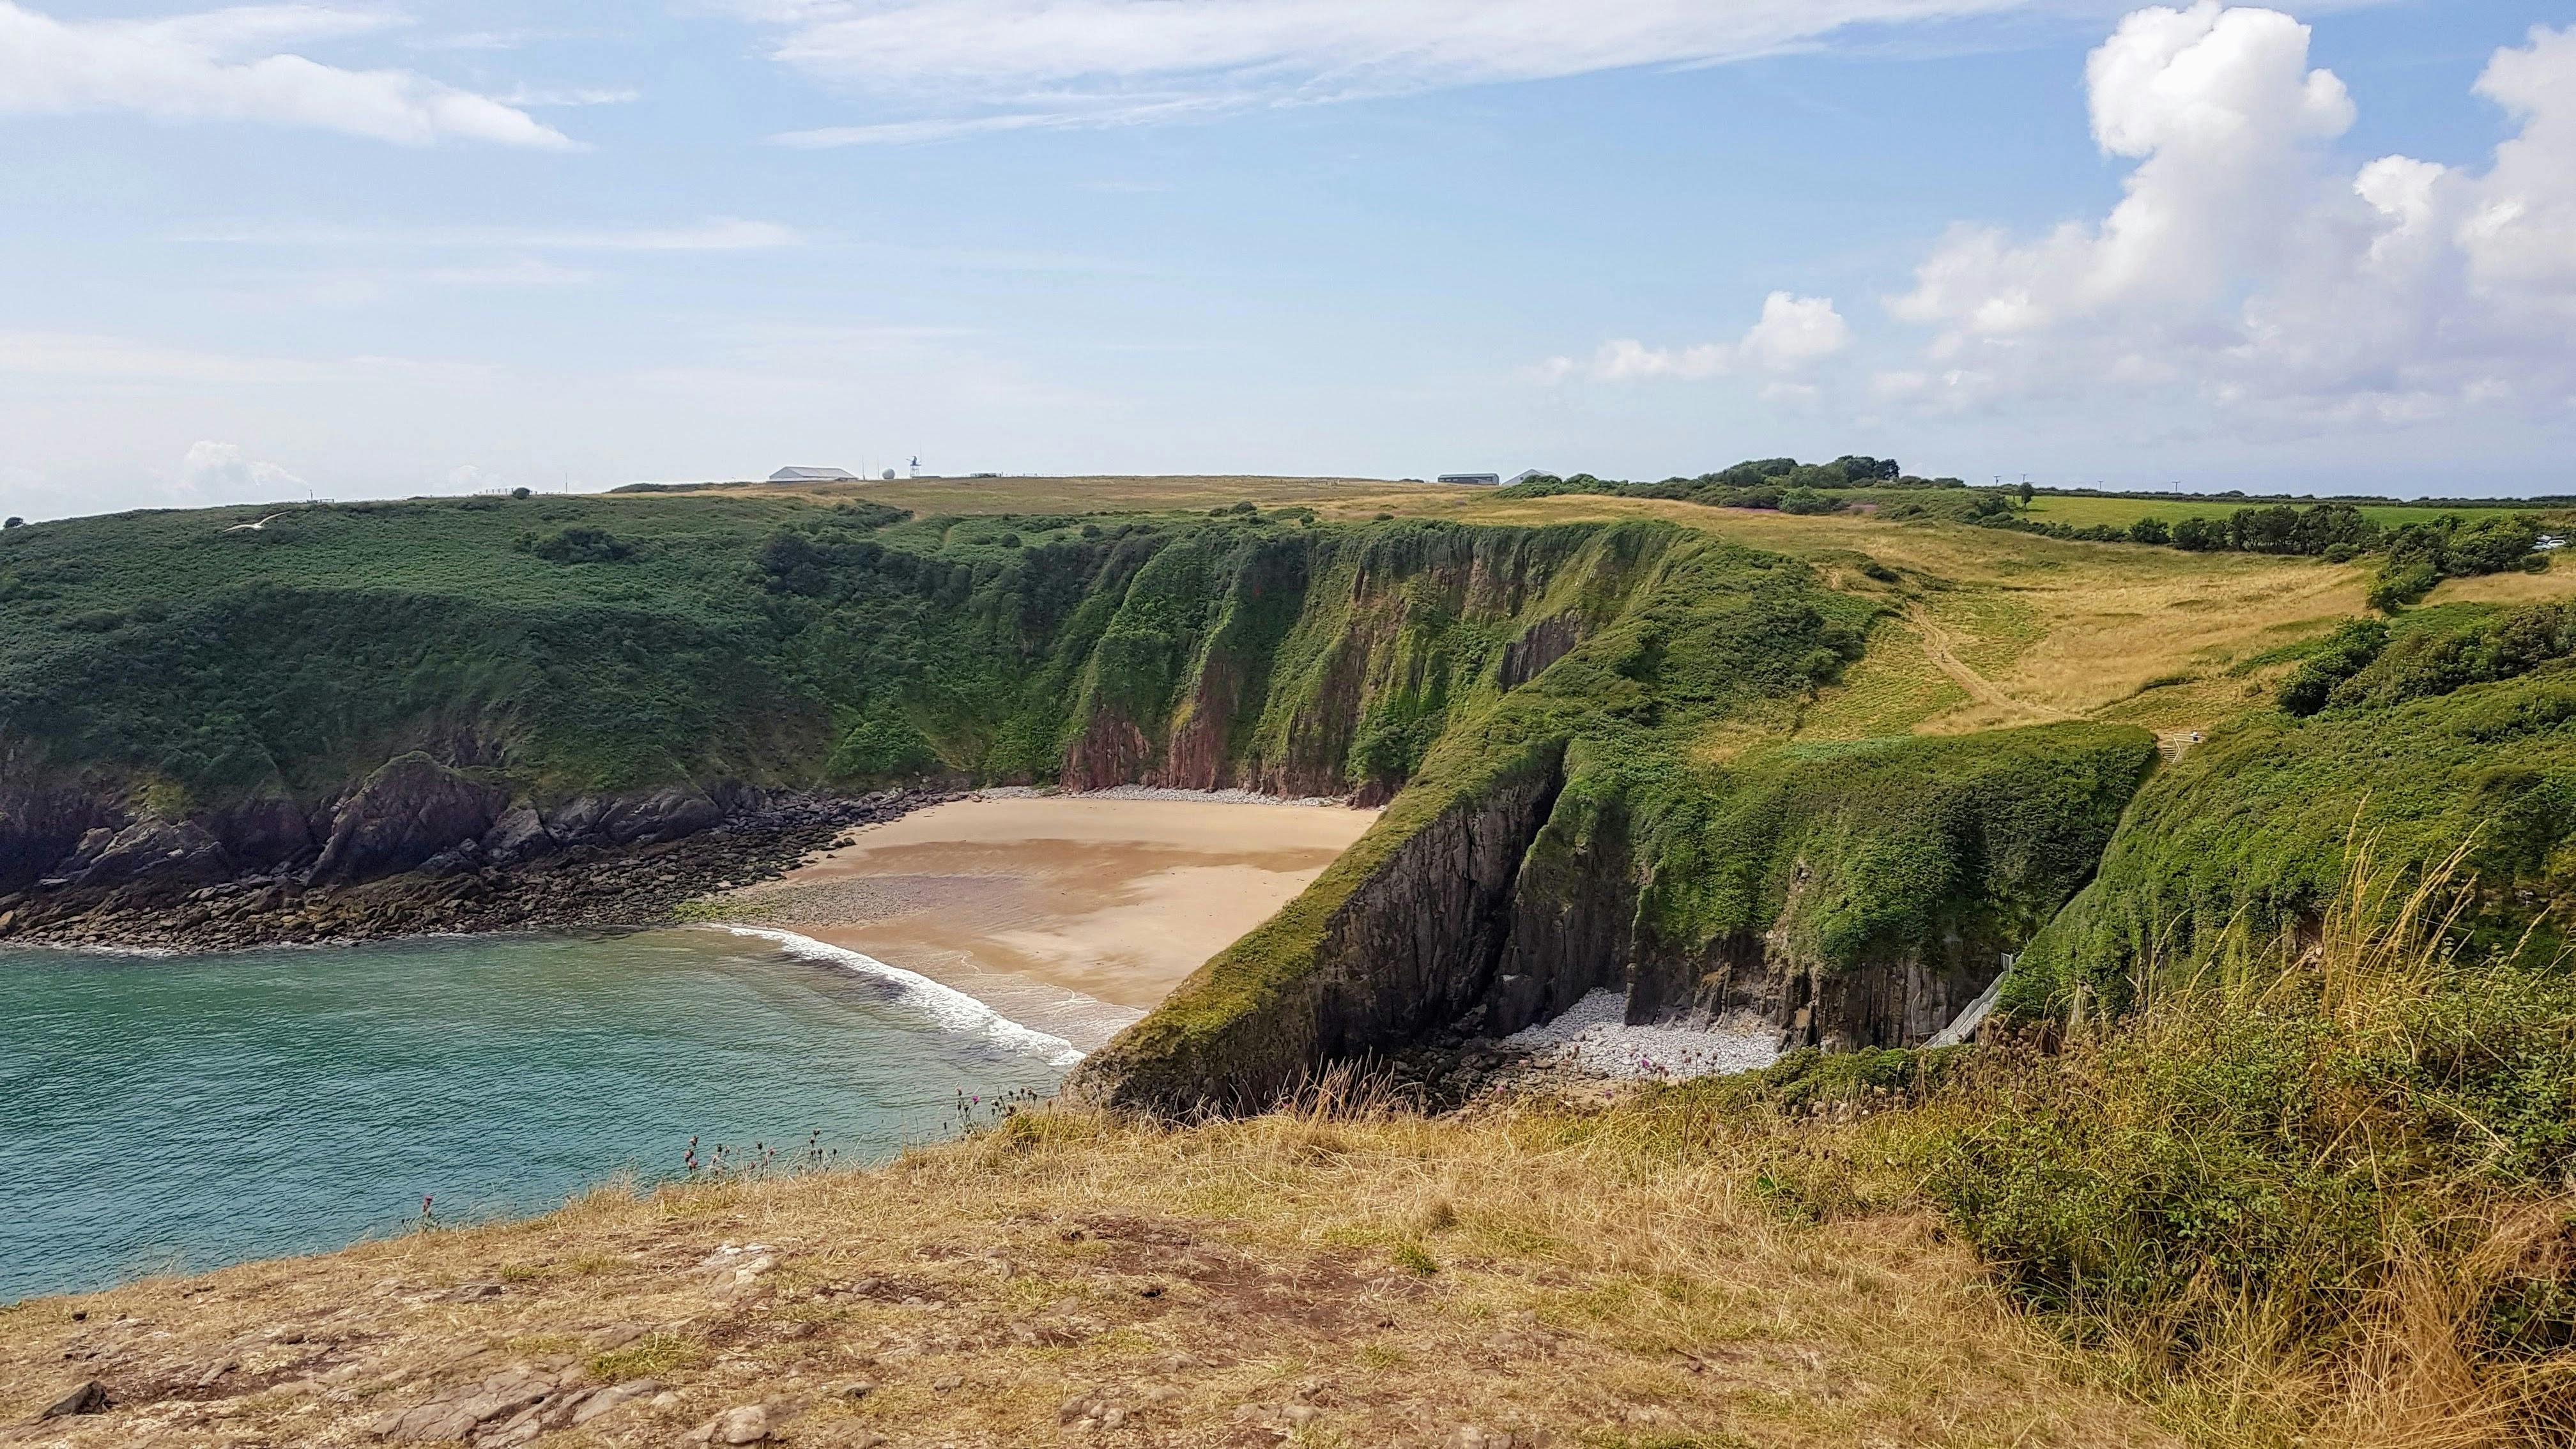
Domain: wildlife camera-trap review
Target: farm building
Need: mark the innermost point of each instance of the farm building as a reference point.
(813, 475)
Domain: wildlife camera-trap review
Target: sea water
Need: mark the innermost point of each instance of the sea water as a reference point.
(161, 1113)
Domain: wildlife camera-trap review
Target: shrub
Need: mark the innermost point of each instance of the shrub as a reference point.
(2342, 1170)
(581, 545)
(2344, 654)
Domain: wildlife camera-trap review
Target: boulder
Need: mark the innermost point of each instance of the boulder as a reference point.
(407, 811)
(520, 834)
(148, 849)
(89, 1398)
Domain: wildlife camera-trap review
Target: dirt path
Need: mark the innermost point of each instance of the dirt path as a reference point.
(1938, 645)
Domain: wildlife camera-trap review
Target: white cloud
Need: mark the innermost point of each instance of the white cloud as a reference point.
(2520, 229)
(2249, 269)
(718, 234)
(207, 67)
(572, 96)
(1794, 333)
(222, 471)
(1628, 360)
(1113, 62)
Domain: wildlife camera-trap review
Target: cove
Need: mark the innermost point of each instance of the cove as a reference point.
(187, 1112)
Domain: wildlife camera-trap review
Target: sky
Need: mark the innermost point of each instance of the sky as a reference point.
(350, 250)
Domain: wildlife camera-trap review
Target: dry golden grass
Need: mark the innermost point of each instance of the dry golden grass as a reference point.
(2012, 628)
(2026, 629)
(1378, 1280)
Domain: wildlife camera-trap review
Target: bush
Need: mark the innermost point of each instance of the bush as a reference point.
(581, 545)
(2344, 654)
(2400, 584)
(2349, 1158)
(2421, 555)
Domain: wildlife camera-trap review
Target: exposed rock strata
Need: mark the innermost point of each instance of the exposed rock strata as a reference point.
(589, 864)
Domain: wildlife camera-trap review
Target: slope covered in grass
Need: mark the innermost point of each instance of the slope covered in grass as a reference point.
(2242, 841)
(1614, 1278)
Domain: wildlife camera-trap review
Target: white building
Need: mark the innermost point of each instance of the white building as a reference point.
(814, 475)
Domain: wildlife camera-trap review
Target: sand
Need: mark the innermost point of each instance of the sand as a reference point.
(1071, 914)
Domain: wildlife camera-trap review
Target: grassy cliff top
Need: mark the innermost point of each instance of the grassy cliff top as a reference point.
(1617, 1278)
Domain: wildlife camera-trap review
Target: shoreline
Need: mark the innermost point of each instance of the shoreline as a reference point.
(582, 887)
(1073, 914)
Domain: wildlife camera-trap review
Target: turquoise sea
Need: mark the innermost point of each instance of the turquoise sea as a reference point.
(187, 1112)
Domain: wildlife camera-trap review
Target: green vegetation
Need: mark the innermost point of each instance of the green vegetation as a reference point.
(1938, 848)
(2423, 545)
(2241, 842)
(2421, 555)
(2318, 1198)
(605, 644)
(1943, 850)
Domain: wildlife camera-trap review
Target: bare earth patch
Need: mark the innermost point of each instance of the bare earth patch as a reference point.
(1516, 1278)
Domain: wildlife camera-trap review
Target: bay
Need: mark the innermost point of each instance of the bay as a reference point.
(188, 1112)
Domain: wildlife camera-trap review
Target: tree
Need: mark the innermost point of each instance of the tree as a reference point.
(2200, 535)
(518, 492)
(2026, 491)
(14, 522)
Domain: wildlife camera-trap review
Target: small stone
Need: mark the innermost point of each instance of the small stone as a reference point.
(616, 1335)
(944, 1384)
(747, 1424)
(858, 1390)
(667, 1399)
(593, 1405)
(89, 1398)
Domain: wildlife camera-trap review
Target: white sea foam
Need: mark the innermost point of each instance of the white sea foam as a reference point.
(1595, 1036)
(954, 1010)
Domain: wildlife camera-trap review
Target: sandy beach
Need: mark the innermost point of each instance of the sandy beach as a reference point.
(1074, 914)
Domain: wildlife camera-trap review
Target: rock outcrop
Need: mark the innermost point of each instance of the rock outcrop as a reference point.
(1904, 879)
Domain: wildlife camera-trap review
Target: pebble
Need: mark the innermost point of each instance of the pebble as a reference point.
(745, 1424)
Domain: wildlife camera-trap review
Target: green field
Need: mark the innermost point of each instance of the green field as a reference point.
(2086, 512)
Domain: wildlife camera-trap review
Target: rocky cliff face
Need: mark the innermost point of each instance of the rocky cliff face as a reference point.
(1410, 949)
(418, 844)
(1540, 885)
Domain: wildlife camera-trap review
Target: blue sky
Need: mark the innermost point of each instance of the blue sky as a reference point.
(371, 250)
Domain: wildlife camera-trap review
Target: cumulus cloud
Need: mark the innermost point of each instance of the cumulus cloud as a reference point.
(210, 66)
(222, 470)
(1122, 61)
(1794, 333)
(2249, 267)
